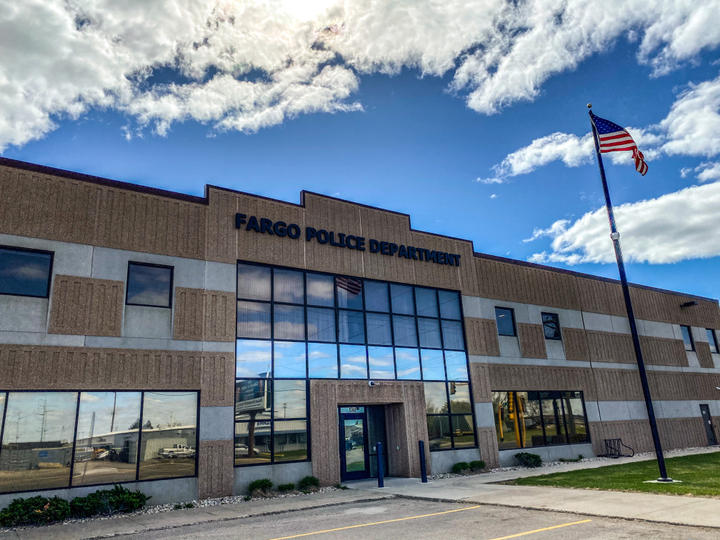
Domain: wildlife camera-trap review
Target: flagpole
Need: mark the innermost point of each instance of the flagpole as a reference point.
(615, 236)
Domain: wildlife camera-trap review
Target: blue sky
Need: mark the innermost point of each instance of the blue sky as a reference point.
(477, 130)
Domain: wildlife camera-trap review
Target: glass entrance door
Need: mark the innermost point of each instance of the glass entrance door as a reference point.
(353, 443)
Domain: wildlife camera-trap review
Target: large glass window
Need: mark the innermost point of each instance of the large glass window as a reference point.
(687, 338)
(551, 325)
(106, 444)
(297, 325)
(712, 340)
(120, 437)
(449, 415)
(529, 419)
(149, 285)
(168, 435)
(25, 272)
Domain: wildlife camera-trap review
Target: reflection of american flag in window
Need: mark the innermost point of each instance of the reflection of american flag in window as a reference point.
(351, 285)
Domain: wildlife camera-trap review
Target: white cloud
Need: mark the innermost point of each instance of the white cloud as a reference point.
(708, 171)
(667, 229)
(493, 195)
(248, 65)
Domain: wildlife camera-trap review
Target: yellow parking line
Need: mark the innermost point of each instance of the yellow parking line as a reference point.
(543, 529)
(378, 523)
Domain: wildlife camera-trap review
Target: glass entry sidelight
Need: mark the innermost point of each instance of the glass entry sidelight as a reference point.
(353, 443)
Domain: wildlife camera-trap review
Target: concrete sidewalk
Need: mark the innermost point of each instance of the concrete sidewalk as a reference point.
(679, 510)
(143, 523)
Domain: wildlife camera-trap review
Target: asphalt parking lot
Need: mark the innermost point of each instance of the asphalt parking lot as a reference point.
(401, 519)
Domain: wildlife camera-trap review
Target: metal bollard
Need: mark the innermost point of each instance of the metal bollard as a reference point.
(380, 465)
(423, 466)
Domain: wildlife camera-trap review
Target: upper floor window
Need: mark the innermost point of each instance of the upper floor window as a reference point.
(712, 340)
(25, 272)
(505, 318)
(687, 338)
(551, 325)
(149, 285)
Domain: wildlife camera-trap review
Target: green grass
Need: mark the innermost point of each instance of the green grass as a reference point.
(700, 475)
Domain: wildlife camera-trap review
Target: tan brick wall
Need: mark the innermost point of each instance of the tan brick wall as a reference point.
(216, 474)
(532, 340)
(704, 355)
(576, 344)
(204, 315)
(610, 347)
(482, 337)
(86, 306)
(663, 351)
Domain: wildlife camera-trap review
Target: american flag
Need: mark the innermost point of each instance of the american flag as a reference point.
(351, 285)
(613, 138)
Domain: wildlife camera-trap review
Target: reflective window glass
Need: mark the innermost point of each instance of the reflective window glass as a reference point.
(321, 324)
(288, 322)
(253, 319)
(453, 335)
(290, 400)
(429, 332)
(253, 358)
(288, 286)
(290, 440)
(322, 361)
(320, 290)
(351, 327)
(106, 443)
(553, 420)
(456, 366)
(376, 296)
(505, 319)
(687, 338)
(253, 399)
(407, 364)
(509, 425)
(712, 340)
(404, 331)
(436, 401)
(25, 273)
(459, 397)
(353, 362)
(439, 432)
(426, 302)
(449, 304)
(432, 365)
(402, 299)
(463, 430)
(378, 329)
(253, 282)
(381, 362)
(37, 440)
(349, 292)
(575, 418)
(168, 437)
(529, 406)
(289, 357)
(551, 325)
(149, 285)
(252, 442)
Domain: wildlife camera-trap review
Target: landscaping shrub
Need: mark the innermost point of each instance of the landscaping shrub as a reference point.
(477, 465)
(308, 483)
(286, 487)
(262, 485)
(107, 501)
(526, 459)
(34, 511)
(459, 467)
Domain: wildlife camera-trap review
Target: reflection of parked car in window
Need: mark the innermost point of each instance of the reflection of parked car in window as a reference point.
(176, 451)
(241, 450)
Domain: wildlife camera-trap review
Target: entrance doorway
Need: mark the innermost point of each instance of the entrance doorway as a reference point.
(361, 428)
(707, 421)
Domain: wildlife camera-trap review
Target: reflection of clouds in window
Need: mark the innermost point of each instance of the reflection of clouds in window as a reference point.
(149, 285)
(26, 271)
(40, 416)
(113, 412)
(408, 363)
(253, 282)
(456, 364)
(170, 409)
(320, 324)
(320, 290)
(253, 358)
(353, 362)
(289, 322)
(322, 360)
(253, 319)
(289, 359)
(382, 364)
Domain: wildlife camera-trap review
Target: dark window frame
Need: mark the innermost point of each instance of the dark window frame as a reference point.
(556, 320)
(50, 270)
(512, 319)
(689, 335)
(74, 441)
(152, 265)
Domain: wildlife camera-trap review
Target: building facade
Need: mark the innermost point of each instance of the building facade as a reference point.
(186, 346)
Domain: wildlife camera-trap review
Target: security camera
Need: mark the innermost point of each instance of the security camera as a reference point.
(371, 383)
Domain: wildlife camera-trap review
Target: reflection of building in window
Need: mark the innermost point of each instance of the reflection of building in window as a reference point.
(529, 419)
